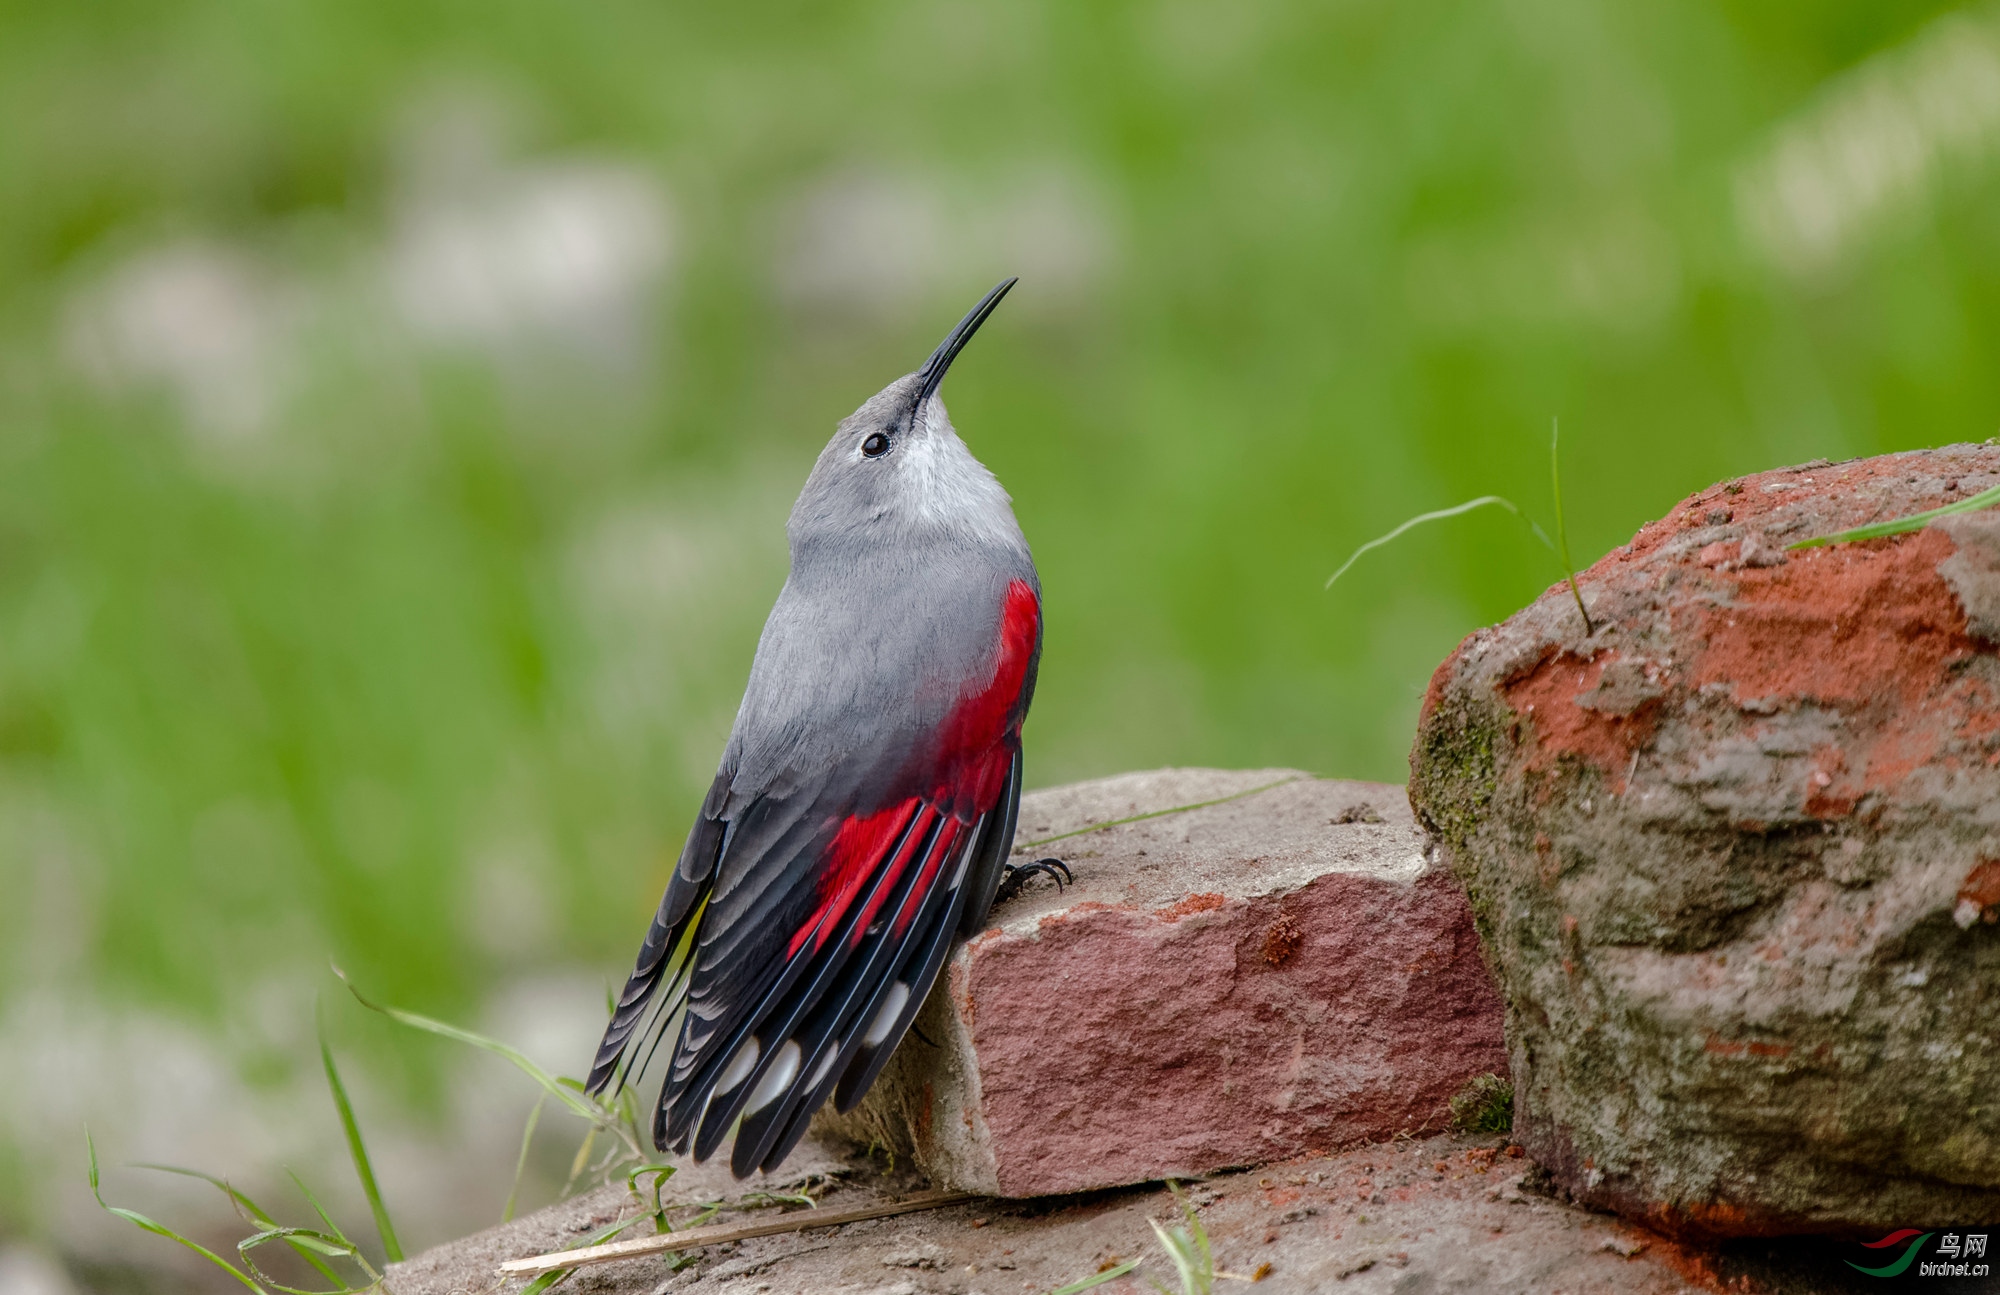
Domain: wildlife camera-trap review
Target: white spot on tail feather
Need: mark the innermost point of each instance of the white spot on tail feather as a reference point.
(892, 1007)
(784, 1069)
(825, 1064)
(739, 1067)
(965, 857)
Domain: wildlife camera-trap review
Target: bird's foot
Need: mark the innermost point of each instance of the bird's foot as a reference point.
(1017, 874)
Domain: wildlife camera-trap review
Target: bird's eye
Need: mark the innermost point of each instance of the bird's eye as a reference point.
(875, 446)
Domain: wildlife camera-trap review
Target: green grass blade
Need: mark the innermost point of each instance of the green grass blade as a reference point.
(1903, 525)
(318, 1242)
(306, 1242)
(302, 1238)
(319, 1209)
(1188, 1247)
(1562, 530)
(521, 1161)
(252, 1210)
(257, 1214)
(1195, 1230)
(140, 1221)
(576, 1166)
(566, 1093)
(358, 1152)
(342, 1289)
(1441, 514)
(660, 1175)
(1180, 1249)
(334, 1228)
(626, 1104)
(608, 1233)
(1111, 1274)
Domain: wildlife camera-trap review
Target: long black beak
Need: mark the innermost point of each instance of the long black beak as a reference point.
(934, 368)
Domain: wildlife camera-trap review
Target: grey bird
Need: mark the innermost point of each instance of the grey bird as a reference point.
(864, 811)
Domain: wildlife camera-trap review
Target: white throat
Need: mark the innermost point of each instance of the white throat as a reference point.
(954, 490)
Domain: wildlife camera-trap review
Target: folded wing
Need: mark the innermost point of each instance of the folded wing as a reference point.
(803, 928)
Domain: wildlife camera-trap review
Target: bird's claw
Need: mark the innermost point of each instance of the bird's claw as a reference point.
(1017, 875)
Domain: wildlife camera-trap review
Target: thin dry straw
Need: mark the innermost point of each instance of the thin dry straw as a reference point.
(560, 1260)
(1157, 813)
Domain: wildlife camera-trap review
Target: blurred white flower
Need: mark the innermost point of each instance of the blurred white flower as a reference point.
(878, 244)
(569, 252)
(1874, 146)
(512, 259)
(30, 1272)
(203, 319)
(1618, 270)
(863, 243)
(1052, 229)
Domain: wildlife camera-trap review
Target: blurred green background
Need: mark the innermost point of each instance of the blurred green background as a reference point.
(400, 404)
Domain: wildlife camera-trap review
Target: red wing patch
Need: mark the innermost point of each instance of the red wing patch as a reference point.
(968, 776)
(857, 850)
(911, 845)
(947, 845)
(971, 768)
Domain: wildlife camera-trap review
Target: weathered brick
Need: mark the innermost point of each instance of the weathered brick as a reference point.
(1733, 847)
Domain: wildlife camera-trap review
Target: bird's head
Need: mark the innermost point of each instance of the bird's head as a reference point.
(896, 469)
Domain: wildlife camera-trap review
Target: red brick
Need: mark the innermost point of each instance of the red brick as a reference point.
(1223, 986)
